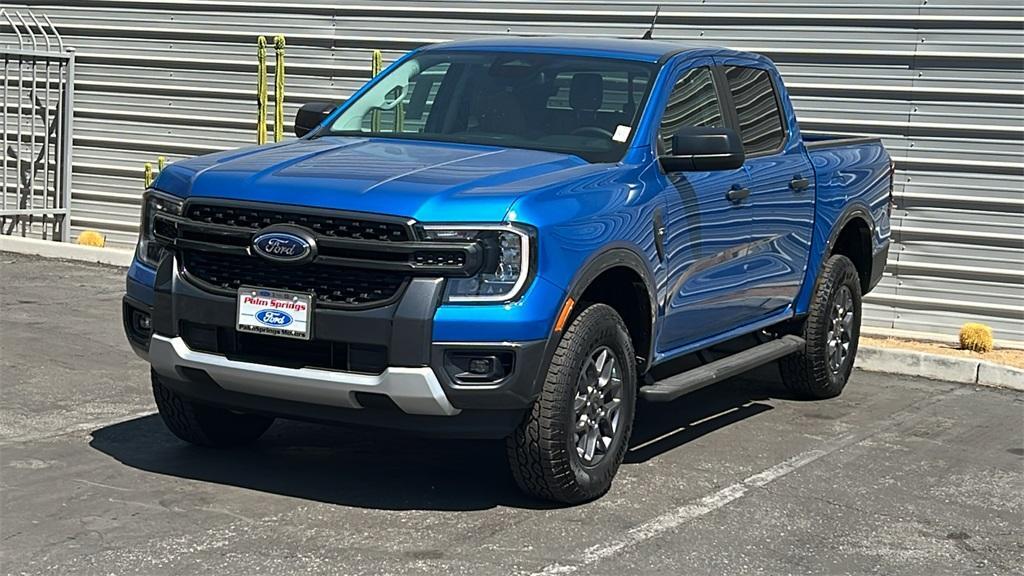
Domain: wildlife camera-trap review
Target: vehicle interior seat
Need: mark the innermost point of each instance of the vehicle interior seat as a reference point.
(586, 94)
(497, 110)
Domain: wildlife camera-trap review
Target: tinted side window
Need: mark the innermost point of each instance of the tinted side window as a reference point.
(692, 103)
(757, 109)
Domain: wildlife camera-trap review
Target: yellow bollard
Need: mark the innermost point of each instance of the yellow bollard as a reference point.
(261, 90)
(160, 161)
(376, 63)
(375, 66)
(147, 174)
(278, 88)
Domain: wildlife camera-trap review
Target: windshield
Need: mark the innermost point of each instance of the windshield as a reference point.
(573, 105)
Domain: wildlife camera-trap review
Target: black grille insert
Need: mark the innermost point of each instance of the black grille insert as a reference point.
(335, 226)
(333, 286)
(434, 258)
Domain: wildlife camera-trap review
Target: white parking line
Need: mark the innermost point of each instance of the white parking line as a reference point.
(708, 504)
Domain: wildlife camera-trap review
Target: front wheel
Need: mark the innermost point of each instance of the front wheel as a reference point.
(571, 443)
(205, 425)
(832, 330)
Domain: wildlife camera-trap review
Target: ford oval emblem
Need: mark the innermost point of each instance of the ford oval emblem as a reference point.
(275, 318)
(283, 247)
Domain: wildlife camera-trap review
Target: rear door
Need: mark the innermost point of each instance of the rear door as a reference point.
(781, 201)
(705, 233)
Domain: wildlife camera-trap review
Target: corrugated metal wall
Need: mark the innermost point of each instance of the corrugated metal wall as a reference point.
(941, 81)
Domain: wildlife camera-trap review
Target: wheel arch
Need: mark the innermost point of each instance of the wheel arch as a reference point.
(602, 279)
(852, 237)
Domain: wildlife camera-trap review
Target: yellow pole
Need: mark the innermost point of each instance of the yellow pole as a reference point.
(261, 90)
(279, 88)
(160, 161)
(376, 63)
(147, 174)
(375, 67)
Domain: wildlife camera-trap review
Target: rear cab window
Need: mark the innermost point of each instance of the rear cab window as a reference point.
(757, 109)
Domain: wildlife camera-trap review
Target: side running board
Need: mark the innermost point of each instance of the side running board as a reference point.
(713, 372)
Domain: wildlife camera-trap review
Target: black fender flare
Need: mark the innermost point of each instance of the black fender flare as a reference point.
(850, 213)
(856, 211)
(613, 256)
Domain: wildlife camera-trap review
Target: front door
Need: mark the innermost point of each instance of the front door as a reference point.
(705, 233)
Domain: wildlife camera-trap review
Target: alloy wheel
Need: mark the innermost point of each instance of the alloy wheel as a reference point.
(598, 405)
(840, 331)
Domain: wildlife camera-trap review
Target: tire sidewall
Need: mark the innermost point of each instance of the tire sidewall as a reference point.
(842, 273)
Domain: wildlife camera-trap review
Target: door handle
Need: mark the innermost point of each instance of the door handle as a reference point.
(799, 183)
(737, 194)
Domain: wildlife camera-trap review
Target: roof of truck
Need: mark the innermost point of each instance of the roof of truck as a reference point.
(641, 50)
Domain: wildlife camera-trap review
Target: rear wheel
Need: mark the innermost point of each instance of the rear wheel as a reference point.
(206, 425)
(832, 330)
(571, 443)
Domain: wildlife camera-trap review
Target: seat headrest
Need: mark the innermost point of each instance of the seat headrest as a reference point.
(586, 91)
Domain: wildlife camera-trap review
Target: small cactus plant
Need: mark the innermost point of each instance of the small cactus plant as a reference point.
(92, 238)
(976, 337)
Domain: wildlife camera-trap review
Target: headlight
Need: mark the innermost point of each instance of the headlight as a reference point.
(507, 258)
(149, 251)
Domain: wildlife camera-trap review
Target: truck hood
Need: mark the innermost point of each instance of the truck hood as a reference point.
(416, 179)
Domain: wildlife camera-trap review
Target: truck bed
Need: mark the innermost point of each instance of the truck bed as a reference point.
(822, 141)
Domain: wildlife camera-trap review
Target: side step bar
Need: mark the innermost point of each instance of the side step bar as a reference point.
(713, 372)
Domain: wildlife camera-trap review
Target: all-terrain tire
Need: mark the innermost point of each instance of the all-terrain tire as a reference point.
(206, 425)
(542, 452)
(815, 373)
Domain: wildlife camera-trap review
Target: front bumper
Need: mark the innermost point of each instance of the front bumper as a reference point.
(412, 390)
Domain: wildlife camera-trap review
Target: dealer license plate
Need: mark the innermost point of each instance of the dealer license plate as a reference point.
(275, 312)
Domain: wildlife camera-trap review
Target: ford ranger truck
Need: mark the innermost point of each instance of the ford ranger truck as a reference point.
(511, 238)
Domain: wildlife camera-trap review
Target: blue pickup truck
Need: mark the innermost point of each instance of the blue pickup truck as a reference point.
(511, 238)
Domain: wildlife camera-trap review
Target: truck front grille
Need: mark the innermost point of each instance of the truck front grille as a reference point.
(334, 286)
(360, 261)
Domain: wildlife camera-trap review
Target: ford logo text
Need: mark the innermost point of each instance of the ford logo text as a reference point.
(275, 318)
(283, 247)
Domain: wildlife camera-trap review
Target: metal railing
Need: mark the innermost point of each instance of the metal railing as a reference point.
(36, 124)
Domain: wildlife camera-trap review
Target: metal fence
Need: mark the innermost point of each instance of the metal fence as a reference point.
(941, 81)
(36, 123)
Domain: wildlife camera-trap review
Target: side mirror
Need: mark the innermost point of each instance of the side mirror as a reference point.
(311, 115)
(699, 149)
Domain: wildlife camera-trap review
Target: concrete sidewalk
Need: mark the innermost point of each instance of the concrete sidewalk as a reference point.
(66, 251)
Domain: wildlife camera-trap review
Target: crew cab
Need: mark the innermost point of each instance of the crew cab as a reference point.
(511, 238)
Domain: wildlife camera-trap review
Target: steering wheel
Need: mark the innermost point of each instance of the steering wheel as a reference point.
(592, 131)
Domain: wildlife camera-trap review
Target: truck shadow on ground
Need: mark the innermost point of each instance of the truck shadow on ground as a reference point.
(392, 471)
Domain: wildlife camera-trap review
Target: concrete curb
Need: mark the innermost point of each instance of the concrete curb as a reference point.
(67, 251)
(939, 367)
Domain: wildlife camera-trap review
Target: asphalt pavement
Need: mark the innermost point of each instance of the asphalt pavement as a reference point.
(898, 476)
